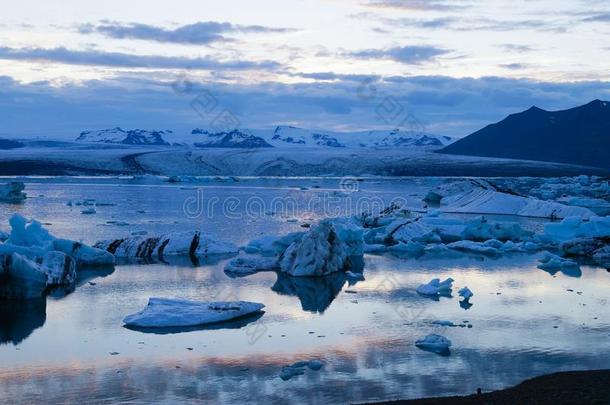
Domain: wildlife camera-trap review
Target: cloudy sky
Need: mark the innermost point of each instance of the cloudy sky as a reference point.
(71, 65)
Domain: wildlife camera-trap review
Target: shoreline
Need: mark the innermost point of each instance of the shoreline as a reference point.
(566, 387)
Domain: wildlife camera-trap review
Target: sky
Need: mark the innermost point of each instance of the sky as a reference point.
(452, 65)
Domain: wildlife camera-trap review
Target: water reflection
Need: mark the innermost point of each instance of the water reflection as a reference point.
(18, 319)
(315, 293)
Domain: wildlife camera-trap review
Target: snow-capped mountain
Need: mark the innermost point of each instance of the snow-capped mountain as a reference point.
(298, 136)
(125, 137)
(293, 137)
(233, 139)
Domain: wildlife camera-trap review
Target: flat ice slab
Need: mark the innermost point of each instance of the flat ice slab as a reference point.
(166, 313)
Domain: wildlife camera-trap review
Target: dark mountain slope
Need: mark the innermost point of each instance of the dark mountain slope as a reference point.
(578, 135)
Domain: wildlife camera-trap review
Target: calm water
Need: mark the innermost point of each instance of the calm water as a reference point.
(525, 322)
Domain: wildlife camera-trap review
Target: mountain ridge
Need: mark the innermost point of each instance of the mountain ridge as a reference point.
(578, 135)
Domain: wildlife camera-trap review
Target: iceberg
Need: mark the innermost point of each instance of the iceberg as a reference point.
(465, 293)
(329, 246)
(191, 243)
(245, 266)
(479, 197)
(32, 260)
(435, 343)
(167, 313)
(553, 263)
(12, 192)
(436, 288)
(577, 227)
(474, 247)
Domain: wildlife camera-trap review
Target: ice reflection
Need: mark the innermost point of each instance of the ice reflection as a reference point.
(315, 293)
(18, 319)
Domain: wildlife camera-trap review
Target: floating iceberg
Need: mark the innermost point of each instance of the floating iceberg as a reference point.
(166, 313)
(474, 247)
(465, 293)
(479, 197)
(12, 192)
(435, 343)
(245, 266)
(329, 246)
(553, 263)
(32, 260)
(436, 288)
(192, 243)
(576, 227)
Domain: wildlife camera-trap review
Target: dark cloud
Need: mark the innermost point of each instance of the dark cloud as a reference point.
(200, 33)
(123, 60)
(516, 48)
(411, 55)
(601, 17)
(448, 106)
(514, 66)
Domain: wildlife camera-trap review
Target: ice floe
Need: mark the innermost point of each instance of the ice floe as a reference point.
(165, 313)
(435, 343)
(553, 263)
(12, 192)
(480, 197)
(248, 265)
(576, 227)
(32, 260)
(190, 243)
(436, 288)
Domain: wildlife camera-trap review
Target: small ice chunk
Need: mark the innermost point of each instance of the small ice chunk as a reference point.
(465, 293)
(443, 323)
(12, 192)
(552, 263)
(245, 266)
(475, 247)
(436, 287)
(409, 248)
(435, 343)
(165, 312)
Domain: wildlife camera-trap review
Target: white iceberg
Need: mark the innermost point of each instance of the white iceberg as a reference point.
(436, 287)
(12, 192)
(553, 263)
(474, 247)
(166, 313)
(247, 265)
(434, 343)
(576, 227)
(32, 259)
(191, 243)
(329, 246)
(482, 198)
